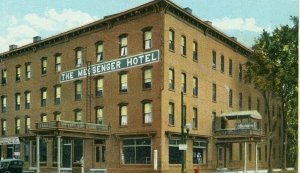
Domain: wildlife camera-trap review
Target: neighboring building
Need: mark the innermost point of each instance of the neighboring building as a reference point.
(119, 121)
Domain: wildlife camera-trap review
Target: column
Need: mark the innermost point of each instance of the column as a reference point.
(58, 153)
(37, 154)
(245, 158)
(256, 155)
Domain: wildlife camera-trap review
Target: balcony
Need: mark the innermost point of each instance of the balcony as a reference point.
(238, 132)
(71, 125)
(242, 125)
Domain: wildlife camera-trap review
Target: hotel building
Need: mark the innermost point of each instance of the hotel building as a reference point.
(107, 96)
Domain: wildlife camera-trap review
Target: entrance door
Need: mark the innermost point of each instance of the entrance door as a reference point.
(67, 154)
(221, 157)
(99, 153)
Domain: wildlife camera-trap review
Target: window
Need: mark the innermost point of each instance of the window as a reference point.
(250, 152)
(171, 114)
(195, 51)
(184, 114)
(195, 118)
(44, 65)
(78, 150)
(28, 70)
(99, 86)
(123, 45)
(222, 64)
(17, 126)
(175, 155)
(240, 101)
(57, 96)
(183, 82)
(43, 97)
(230, 98)
(124, 82)
(214, 60)
(240, 72)
(199, 152)
(147, 112)
(249, 103)
(4, 128)
(99, 51)
(99, 115)
(58, 62)
(137, 151)
(171, 79)
(79, 57)
(171, 40)
(43, 151)
(147, 78)
(214, 116)
(57, 116)
(241, 151)
(266, 152)
(147, 39)
(183, 45)
(3, 103)
(27, 99)
(43, 117)
(27, 151)
(27, 124)
(230, 67)
(18, 101)
(4, 76)
(78, 90)
(123, 115)
(214, 92)
(18, 73)
(195, 86)
(259, 153)
(257, 104)
(230, 151)
(78, 115)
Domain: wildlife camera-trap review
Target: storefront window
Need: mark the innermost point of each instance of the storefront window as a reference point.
(137, 151)
(78, 149)
(199, 152)
(43, 151)
(175, 155)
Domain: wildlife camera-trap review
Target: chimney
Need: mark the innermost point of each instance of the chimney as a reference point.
(234, 38)
(188, 9)
(208, 22)
(12, 47)
(36, 39)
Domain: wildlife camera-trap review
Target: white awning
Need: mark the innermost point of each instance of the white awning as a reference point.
(9, 140)
(242, 115)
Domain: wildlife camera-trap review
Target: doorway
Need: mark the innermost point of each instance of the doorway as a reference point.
(67, 153)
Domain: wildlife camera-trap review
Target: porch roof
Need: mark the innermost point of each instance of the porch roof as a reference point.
(242, 115)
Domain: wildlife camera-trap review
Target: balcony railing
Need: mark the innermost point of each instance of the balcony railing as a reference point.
(238, 132)
(71, 125)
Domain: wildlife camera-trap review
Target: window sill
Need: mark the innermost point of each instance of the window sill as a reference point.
(195, 96)
(214, 101)
(99, 96)
(27, 79)
(172, 50)
(123, 126)
(184, 56)
(43, 75)
(123, 92)
(147, 89)
(173, 90)
(195, 60)
(146, 50)
(170, 125)
(147, 124)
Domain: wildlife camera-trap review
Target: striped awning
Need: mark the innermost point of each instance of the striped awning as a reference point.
(242, 115)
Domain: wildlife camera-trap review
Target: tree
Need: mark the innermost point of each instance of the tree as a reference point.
(273, 66)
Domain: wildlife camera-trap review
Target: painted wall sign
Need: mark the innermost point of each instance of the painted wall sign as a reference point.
(110, 66)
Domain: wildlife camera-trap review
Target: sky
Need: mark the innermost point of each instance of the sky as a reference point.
(20, 20)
